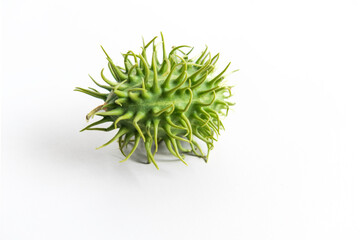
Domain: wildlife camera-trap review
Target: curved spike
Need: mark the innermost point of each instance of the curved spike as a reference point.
(137, 140)
(214, 129)
(216, 117)
(150, 156)
(198, 147)
(111, 104)
(138, 117)
(113, 112)
(221, 124)
(113, 73)
(190, 100)
(206, 133)
(148, 44)
(102, 129)
(188, 124)
(229, 90)
(167, 80)
(134, 96)
(171, 135)
(127, 62)
(219, 75)
(174, 144)
(106, 80)
(104, 51)
(126, 116)
(208, 54)
(181, 148)
(143, 53)
(165, 66)
(102, 96)
(211, 102)
(216, 89)
(128, 139)
(163, 46)
(202, 69)
(120, 101)
(224, 104)
(208, 128)
(117, 73)
(125, 142)
(215, 59)
(104, 120)
(176, 48)
(121, 132)
(120, 85)
(199, 118)
(146, 68)
(169, 147)
(144, 93)
(228, 74)
(201, 137)
(184, 63)
(94, 111)
(156, 129)
(194, 64)
(102, 86)
(184, 75)
(202, 55)
(200, 81)
(182, 53)
(121, 68)
(209, 146)
(154, 50)
(183, 123)
(121, 145)
(209, 120)
(189, 51)
(164, 110)
(130, 70)
(194, 151)
(93, 89)
(132, 54)
(168, 120)
(120, 94)
(205, 123)
(155, 86)
(136, 89)
(168, 143)
(147, 127)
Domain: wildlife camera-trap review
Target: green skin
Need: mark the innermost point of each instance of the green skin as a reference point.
(172, 101)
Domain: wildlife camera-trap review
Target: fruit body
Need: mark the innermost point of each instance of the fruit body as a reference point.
(174, 101)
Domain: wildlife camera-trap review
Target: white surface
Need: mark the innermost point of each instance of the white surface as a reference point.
(287, 167)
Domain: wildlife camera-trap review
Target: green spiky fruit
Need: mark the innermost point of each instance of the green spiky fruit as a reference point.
(177, 100)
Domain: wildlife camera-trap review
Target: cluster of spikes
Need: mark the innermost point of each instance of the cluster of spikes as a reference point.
(177, 101)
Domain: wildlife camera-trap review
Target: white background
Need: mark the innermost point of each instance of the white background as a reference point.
(287, 166)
